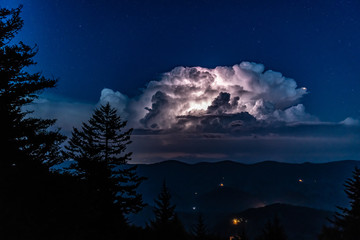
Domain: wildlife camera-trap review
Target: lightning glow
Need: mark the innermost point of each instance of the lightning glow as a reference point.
(189, 97)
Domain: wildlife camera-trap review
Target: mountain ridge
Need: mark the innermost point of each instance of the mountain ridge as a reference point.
(174, 161)
(318, 185)
(225, 189)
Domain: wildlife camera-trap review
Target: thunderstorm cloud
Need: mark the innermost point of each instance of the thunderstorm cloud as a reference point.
(243, 112)
(193, 99)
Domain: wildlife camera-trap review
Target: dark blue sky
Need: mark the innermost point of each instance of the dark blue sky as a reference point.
(122, 45)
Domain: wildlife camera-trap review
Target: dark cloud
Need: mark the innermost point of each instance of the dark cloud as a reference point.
(221, 104)
(300, 143)
(217, 123)
(160, 101)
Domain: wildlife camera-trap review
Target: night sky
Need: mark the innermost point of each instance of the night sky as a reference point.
(305, 108)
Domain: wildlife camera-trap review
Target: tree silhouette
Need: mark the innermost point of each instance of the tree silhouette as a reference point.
(200, 230)
(164, 210)
(98, 152)
(346, 225)
(166, 224)
(273, 231)
(25, 140)
(29, 207)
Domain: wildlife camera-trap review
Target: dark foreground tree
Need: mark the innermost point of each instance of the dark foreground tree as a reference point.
(200, 230)
(273, 231)
(346, 225)
(166, 224)
(29, 205)
(25, 140)
(100, 159)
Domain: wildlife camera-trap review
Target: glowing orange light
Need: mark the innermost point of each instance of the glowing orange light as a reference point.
(300, 180)
(221, 184)
(236, 221)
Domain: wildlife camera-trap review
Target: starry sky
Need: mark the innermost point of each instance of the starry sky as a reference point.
(126, 52)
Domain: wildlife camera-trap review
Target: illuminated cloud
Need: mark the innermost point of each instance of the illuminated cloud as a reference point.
(196, 98)
(117, 100)
(239, 113)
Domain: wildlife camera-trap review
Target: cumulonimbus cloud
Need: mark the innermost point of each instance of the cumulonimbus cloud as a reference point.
(203, 99)
(241, 112)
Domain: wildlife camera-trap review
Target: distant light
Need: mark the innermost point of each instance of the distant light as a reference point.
(304, 88)
(195, 193)
(236, 221)
(300, 180)
(221, 184)
(194, 208)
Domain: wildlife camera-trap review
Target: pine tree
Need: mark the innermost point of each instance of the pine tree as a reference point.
(273, 231)
(100, 159)
(164, 210)
(166, 224)
(346, 225)
(200, 230)
(25, 140)
(28, 147)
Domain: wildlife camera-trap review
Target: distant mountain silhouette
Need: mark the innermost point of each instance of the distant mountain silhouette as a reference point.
(302, 195)
(307, 184)
(226, 200)
(299, 222)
